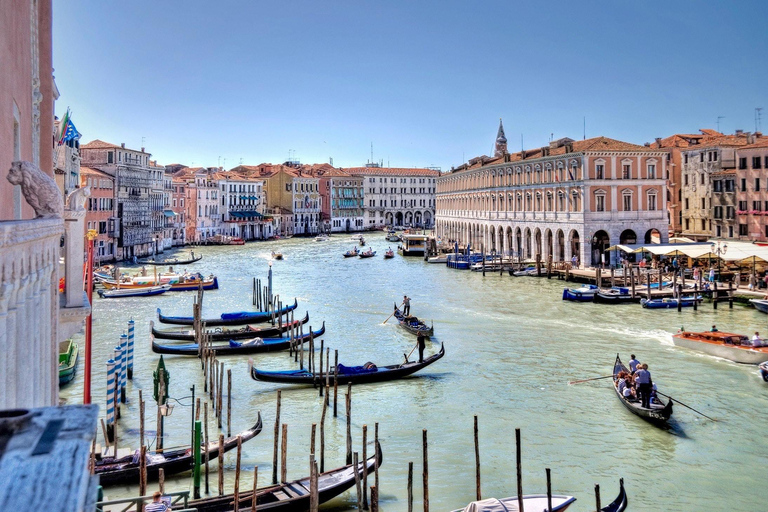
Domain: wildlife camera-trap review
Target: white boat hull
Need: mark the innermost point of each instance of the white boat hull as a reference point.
(744, 355)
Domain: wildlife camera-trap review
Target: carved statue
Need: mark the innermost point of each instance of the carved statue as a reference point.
(76, 199)
(39, 189)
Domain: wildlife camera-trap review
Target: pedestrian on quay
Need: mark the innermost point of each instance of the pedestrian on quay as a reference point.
(696, 274)
(421, 342)
(574, 262)
(157, 505)
(644, 385)
(633, 364)
(406, 305)
(711, 274)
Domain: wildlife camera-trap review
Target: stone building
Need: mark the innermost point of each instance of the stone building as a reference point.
(100, 209)
(708, 194)
(342, 199)
(34, 315)
(66, 158)
(201, 202)
(397, 196)
(751, 177)
(243, 206)
(178, 199)
(568, 198)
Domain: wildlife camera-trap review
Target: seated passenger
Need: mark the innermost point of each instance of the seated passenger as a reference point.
(628, 393)
(756, 341)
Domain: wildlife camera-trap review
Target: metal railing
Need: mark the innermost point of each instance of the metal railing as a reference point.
(135, 504)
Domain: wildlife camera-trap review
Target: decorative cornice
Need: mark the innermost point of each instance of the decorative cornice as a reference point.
(17, 232)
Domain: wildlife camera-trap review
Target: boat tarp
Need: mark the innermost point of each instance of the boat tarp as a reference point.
(354, 370)
(233, 316)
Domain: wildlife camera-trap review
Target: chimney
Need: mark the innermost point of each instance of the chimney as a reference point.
(647, 144)
(739, 132)
(142, 149)
(658, 141)
(122, 145)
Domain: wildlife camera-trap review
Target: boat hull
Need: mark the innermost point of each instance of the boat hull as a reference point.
(658, 414)
(667, 303)
(225, 335)
(606, 298)
(743, 355)
(69, 369)
(760, 305)
(134, 292)
(240, 318)
(580, 294)
(533, 502)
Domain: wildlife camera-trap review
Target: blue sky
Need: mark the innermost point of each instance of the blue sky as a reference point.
(424, 81)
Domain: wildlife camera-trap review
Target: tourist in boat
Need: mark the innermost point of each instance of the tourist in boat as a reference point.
(642, 263)
(420, 340)
(756, 340)
(406, 305)
(714, 329)
(643, 385)
(633, 364)
(622, 382)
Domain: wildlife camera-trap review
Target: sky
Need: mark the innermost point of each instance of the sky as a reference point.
(422, 82)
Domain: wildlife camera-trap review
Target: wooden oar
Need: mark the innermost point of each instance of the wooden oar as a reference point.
(587, 380)
(390, 316)
(684, 405)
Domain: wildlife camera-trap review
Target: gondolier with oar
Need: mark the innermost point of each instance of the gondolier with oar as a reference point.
(406, 305)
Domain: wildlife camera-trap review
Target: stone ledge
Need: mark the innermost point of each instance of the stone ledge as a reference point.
(17, 232)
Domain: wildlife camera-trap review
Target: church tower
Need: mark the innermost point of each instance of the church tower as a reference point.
(501, 141)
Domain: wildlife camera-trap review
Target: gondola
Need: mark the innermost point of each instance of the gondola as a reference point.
(277, 255)
(236, 318)
(219, 334)
(171, 262)
(292, 496)
(134, 292)
(534, 502)
(763, 369)
(367, 254)
(389, 254)
(252, 346)
(125, 470)
(620, 503)
(413, 324)
(615, 295)
(667, 303)
(351, 253)
(659, 413)
(347, 374)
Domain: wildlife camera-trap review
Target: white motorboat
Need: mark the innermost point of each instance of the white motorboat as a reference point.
(440, 258)
(734, 347)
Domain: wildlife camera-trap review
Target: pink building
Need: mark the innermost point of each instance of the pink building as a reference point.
(752, 190)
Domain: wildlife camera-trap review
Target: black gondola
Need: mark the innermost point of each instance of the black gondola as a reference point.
(252, 346)
(219, 334)
(620, 503)
(292, 496)
(237, 318)
(353, 375)
(125, 471)
(659, 413)
(170, 262)
(616, 295)
(413, 324)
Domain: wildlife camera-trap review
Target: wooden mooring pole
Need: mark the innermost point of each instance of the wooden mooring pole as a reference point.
(277, 440)
(477, 464)
(519, 470)
(425, 470)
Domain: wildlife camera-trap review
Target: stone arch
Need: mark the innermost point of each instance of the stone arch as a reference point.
(652, 234)
(518, 244)
(574, 246)
(528, 244)
(559, 245)
(600, 242)
(548, 245)
(537, 246)
(628, 237)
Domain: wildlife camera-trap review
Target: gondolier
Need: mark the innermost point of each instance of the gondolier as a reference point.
(420, 341)
(644, 385)
(406, 305)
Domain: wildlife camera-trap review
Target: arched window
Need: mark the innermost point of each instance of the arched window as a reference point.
(600, 200)
(626, 200)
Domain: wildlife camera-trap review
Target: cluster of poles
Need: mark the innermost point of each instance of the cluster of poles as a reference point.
(119, 370)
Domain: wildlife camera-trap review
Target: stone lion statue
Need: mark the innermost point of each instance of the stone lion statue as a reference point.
(39, 189)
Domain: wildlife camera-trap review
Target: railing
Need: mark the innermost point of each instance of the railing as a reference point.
(136, 504)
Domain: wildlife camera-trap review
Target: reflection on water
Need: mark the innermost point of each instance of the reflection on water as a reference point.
(511, 347)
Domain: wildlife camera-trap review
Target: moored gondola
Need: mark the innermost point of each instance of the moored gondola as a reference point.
(125, 470)
(531, 502)
(346, 374)
(659, 412)
(171, 262)
(252, 346)
(413, 325)
(620, 503)
(293, 496)
(235, 318)
(219, 334)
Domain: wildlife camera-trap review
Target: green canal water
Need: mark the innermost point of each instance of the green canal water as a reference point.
(511, 345)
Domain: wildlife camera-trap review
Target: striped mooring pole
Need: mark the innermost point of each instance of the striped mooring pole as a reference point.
(130, 349)
(111, 367)
(118, 358)
(123, 366)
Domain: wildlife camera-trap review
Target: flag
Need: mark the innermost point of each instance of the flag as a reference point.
(68, 130)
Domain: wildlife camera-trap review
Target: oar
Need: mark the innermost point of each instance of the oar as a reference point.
(587, 380)
(390, 316)
(684, 405)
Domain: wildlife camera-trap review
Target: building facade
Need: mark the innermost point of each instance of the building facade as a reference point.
(395, 196)
(571, 198)
(243, 207)
(341, 199)
(99, 214)
(751, 176)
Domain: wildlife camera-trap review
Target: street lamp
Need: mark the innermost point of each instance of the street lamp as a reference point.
(720, 249)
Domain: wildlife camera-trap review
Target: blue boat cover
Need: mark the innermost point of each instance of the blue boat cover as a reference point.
(238, 314)
(354, 370)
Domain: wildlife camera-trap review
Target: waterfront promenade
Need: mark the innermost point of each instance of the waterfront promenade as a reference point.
(511, 347)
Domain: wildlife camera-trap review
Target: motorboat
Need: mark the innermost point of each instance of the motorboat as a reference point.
(583, 294)
(734, 347)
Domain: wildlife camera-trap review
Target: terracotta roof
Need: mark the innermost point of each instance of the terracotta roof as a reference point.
(100, 144)
(762, 142)
(679, 140)
(391, 171)
(90, 171)
(724, 172)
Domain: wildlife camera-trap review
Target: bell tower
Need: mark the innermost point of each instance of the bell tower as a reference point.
(501, 141)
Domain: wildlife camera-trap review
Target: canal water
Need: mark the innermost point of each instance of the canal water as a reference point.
(511, 346)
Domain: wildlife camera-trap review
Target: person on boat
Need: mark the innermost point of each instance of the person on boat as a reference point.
(712, 274)
(420, 340)
(406, 305)
(714, 329)
(628, 393)
(643, 385)
(653, 393)
(756, 340)
(622, 382)
(157, 505)
(633, 364)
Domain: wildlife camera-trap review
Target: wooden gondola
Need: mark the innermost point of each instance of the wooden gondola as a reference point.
(413, 324)
(236, 318)
(620, 503)
(125, 470)
(223, 334)
(351, 253)
(252, 346)
(534, 502)
(171, 262)
(292, 496)
(349, 375)
(367, 254)
(659, 412)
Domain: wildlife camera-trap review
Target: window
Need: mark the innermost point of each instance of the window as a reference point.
(627, 202)
(743, 184)
(718, 231)
(687, 221)
(730, 185)
(685, 179)
(652, 201)
(701, 157)
(686, 203)
(756, 205)
(703, 203)
(743, 163)
(718, 213)
(742, 205)
(626, 171)
(742, 230)
(730, 231)
(685, 161)
(717, 185)
(111, 157)
(600, 171)
(757, 184)
(651, 171)
(756, 162)
(703, 224)
(730, 213)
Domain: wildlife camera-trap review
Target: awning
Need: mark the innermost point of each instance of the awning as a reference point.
(169, 213)
(245, 213)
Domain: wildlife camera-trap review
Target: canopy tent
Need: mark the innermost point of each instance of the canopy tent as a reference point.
(735, 251)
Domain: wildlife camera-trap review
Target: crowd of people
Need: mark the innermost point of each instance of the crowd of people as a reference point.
(637, 384)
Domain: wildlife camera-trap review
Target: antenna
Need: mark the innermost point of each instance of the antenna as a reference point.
(718, 122)
(225, 163)
(218, 164)
(551, 137)
(584, 133)
(142, 141)
(522, 147)
(241, 160)
(758, 119)
(371, 151)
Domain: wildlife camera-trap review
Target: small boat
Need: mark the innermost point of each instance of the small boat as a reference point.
(441, 258)
(277, 255)
(134, 292)
(251, 346)
(583, 294)
(620, 503)
(763, 368)
(659, 412)
(760, 305)
(125, 470)
(236, 240)
(179, 283)
(668, 303)
(389, 254)
(615, 295)
(413, 324)
(734, 347)
(367, 254)
(293, 496)
(68, 356)
(224, 334)
(322, 238)
(527, 271)
(393, 238)
(349, 374)
(351, 253)
(235, 318)
(362, 242)
(531, 502)
(171, 262)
